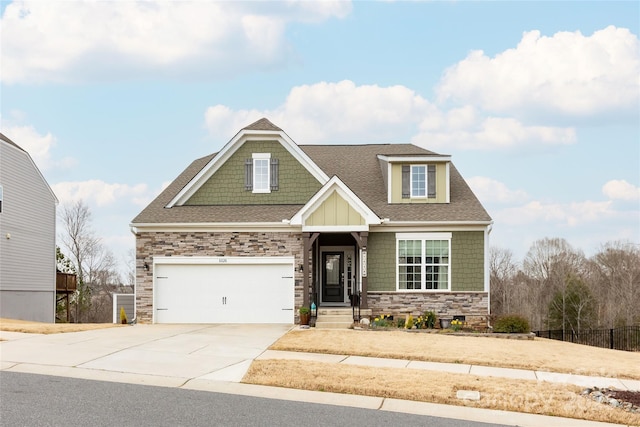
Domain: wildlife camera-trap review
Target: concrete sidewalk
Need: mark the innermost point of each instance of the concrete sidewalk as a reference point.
(458, 368)
(216, 357)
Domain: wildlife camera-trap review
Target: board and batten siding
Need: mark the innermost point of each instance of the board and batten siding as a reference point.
(27, 239)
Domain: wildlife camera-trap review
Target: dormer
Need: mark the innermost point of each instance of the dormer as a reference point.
(416, 178)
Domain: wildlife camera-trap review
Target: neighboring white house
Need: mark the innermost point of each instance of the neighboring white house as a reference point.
(27, 238)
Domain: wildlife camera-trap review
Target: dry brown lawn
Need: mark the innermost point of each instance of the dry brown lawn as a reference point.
(437, 387)
(539, 354)
(440, 387)
(12, 325)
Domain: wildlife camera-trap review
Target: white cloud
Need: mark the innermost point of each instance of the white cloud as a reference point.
(567, 73)
(585, 224)
(332, 112)
(567, 214)
(465, 128)
(490, 190)
(100, 193)
(38, 146)
(344, 112)
(621, 190)
(68, 41)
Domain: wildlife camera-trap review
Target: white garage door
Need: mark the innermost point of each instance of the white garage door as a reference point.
(223, 290)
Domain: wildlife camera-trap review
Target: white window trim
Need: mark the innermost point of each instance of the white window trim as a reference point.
(423, 237)
(426, 182)
(261, 156)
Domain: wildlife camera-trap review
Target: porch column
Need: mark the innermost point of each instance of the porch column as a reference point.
(361, 241)
(308, 240)
(363, 297)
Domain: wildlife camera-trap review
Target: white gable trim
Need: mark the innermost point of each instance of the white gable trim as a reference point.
(416, 158)
(335, 184)
(232, 146)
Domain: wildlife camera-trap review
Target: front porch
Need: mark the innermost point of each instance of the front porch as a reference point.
(335, 278)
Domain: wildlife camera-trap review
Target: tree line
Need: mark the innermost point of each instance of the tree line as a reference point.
(96, 268)
(557, 287)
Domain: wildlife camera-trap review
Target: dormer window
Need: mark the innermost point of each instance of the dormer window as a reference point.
(261, 173)
(418, 181)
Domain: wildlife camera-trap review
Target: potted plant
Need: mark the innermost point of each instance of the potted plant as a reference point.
(305, 315)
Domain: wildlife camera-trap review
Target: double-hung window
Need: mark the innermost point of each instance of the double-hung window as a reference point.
(261, 177)
(418, 181)
(423, 261)
(261, 173)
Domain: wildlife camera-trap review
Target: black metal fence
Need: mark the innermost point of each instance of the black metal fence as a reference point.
(626, 338)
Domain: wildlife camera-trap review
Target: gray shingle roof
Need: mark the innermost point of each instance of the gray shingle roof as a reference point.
(262, 124)
(156, 213)
(356, 165)
(359, 168)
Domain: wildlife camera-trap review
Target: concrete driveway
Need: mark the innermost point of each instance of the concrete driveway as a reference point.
(153, 354)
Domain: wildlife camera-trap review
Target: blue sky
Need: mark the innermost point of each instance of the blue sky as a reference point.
(537, 102)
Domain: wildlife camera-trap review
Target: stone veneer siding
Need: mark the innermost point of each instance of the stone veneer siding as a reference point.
(473, 305)
(149, 245)
(295, 184)
(467, 261)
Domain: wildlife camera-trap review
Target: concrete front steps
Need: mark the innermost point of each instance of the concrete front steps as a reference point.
(337, 317)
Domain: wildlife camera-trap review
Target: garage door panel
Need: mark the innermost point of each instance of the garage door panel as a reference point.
(224, 293)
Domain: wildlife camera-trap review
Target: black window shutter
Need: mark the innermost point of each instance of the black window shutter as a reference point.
(274, 174)
(406, 181)
(431, 181)
(248, 174)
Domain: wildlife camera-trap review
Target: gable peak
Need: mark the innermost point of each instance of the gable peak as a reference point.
(262, 124)
(10, 142)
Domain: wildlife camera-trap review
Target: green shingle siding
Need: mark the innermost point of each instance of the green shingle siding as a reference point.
(467, 261)
(226, 186)
(381, 262)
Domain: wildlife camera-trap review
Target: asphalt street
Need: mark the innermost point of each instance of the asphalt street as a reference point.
(42, 400)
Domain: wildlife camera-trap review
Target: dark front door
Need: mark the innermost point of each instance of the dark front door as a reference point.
(333, 277)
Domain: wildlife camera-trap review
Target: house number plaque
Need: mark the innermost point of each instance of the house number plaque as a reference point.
(364, 262)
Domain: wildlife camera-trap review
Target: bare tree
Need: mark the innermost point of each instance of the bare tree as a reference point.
(572, 307)
(503, 269)
(130, 272)
(548, 264)
(616, 283)
(94, 263)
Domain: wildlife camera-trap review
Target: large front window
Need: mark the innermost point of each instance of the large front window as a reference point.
(423, 261)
